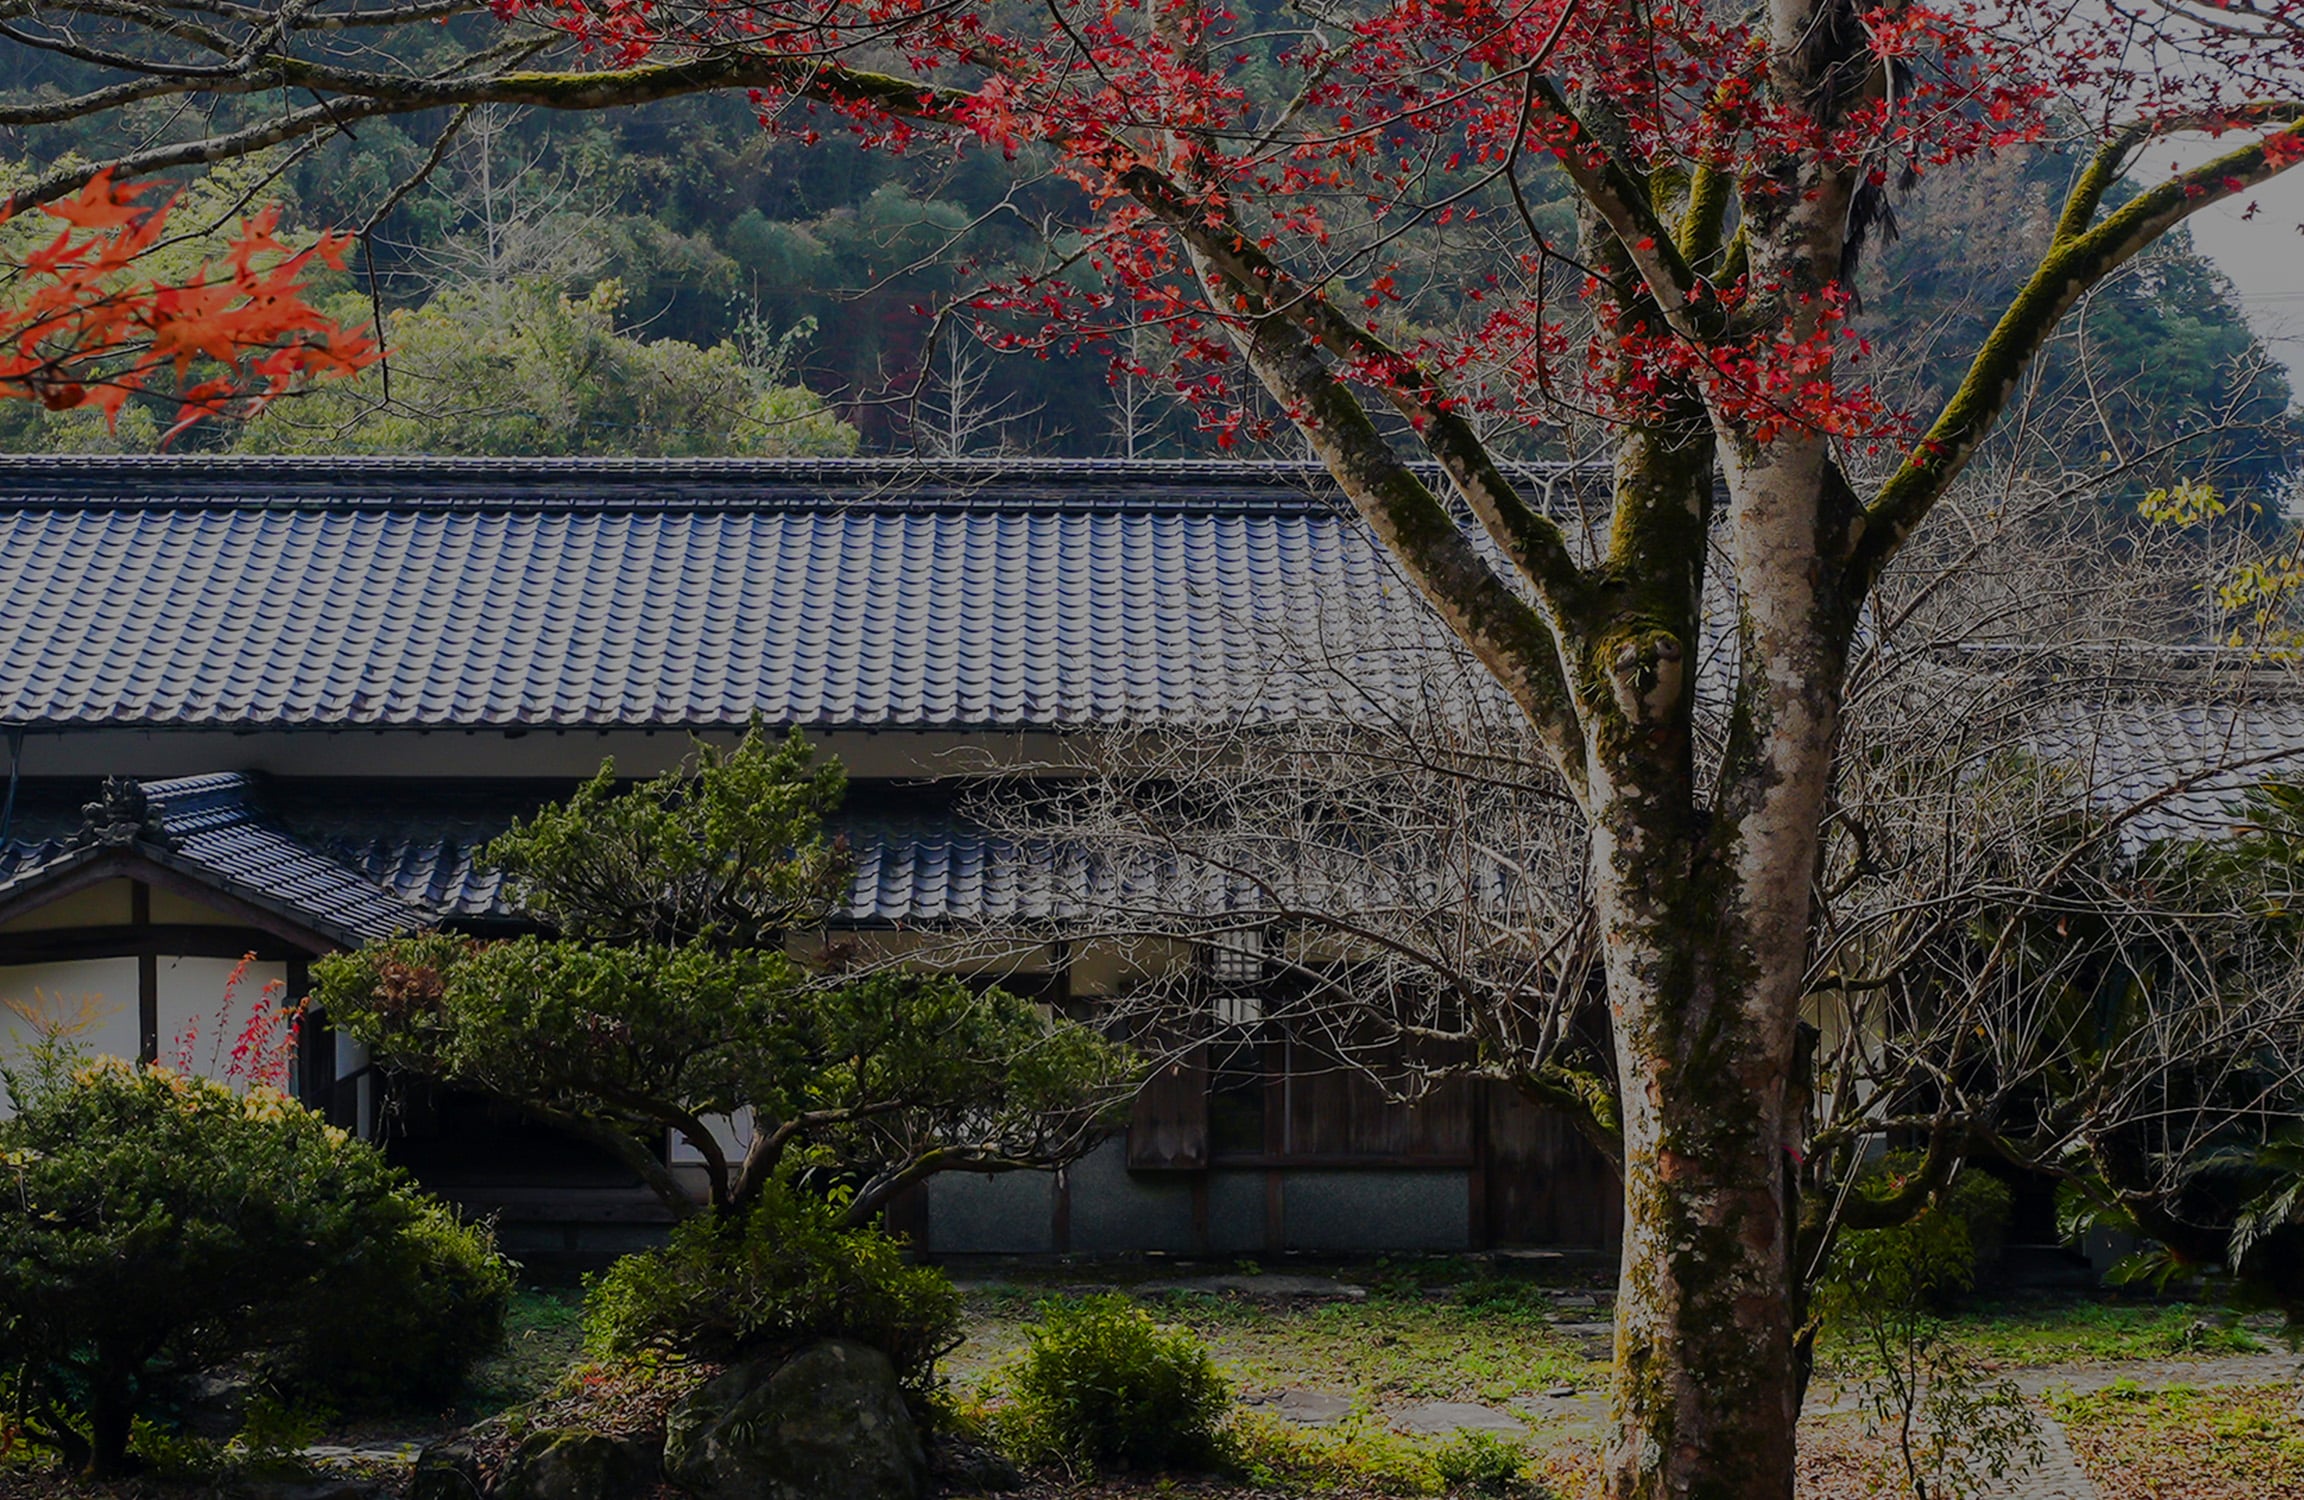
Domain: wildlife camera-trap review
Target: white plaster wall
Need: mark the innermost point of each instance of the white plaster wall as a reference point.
(732, 1132)
(92, 1000)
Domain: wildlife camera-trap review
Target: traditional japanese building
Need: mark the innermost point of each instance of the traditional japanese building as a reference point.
(273, 708)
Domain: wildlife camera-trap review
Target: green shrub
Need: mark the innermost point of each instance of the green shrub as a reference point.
(1948, 1428)
(1931, 1257)
(153, 1225)
(784, 1274)
(1357, 1456)
(403, 1322)
(1101, 1383)
(1480, 1463)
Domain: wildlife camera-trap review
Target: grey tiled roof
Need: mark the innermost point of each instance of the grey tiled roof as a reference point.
(921, 862)
(474, 593)
(2174, 770)
(222, 832)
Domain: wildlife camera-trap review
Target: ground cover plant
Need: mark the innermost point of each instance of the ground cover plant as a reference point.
(2234, 1443)
(1485, 1343)
(2037, 1332)
(543, 1337)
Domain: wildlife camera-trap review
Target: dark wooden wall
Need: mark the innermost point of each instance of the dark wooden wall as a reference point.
(1535, 1182)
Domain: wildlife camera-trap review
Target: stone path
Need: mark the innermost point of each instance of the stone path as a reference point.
(2058, 1475)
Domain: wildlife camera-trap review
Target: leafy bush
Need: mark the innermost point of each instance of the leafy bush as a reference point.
(1931, 1256)
(1103, 1384)
(153, 1225)
(1480, 1463)
(404, 1321)
(1949, 1427)
(784, 1274)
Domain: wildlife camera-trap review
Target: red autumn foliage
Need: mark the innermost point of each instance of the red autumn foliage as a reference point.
(1404, 113)
(90, 328)
(263, 1053)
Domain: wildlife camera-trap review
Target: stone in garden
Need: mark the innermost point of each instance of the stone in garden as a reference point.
(1305, 1408)
(577, 1464)
(1441, 1418)
(828, 1423)
(1266, 1286)
(962, 1466)
(448, 1470)
(314, 1489)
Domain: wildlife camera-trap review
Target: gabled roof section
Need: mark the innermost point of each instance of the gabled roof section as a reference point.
(424, 593)
(213, 835)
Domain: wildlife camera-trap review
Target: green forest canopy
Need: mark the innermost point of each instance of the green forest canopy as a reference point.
(677, 280)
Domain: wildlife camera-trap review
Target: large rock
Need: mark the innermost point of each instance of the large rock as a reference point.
(575, 1464)
(828, 1423)
(448, 1470)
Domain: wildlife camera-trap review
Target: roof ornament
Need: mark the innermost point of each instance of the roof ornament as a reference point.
(121, 814)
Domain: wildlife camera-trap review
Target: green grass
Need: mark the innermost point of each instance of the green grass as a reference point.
(543, 1336)
(2074, 1330)
(1484, 1342)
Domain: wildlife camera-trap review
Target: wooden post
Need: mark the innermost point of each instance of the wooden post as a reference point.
(315, 1041)
(1476, 1179)
(147, 976)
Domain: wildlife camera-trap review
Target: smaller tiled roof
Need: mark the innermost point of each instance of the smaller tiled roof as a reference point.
(917, 857)
(2184, 767)
(224, 828)
(219, 831)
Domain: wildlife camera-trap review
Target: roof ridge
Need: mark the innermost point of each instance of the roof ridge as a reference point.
(147, 482)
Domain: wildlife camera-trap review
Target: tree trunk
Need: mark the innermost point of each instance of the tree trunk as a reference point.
(111, 1417)
(1706, 1393)
(1704, 905)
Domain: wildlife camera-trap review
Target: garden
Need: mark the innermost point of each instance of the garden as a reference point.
(205, 1288)
(1463, 1376)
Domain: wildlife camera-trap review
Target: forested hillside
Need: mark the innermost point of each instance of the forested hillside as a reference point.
(678, 280)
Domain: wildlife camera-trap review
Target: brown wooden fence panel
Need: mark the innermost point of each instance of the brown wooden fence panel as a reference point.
(1546, 1185)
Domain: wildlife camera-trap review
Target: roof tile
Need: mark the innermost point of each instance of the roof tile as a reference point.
(472, 594)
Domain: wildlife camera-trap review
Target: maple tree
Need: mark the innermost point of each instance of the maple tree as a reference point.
(1242, 188)
(90, 327)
